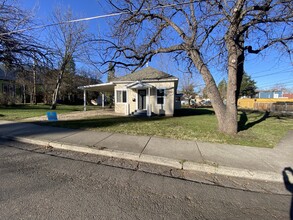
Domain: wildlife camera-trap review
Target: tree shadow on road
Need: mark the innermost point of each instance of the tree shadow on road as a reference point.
(243, 125)
(289, 186)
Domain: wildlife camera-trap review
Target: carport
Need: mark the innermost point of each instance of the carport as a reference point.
(103, 87)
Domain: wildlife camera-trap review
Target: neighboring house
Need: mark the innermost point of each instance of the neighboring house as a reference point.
(269, 94)
(7, 82)
(147, 91)
(288, 95)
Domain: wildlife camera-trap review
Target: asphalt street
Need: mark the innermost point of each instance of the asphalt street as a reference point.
(46, 185)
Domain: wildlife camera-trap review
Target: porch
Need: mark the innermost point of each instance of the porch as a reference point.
(102, 88)
(129, 99)
(140, 95)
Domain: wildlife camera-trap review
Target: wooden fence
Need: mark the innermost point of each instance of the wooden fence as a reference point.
(274, 105)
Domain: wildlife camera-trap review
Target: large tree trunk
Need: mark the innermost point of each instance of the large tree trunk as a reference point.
(231, 120)
(226, 115)
(240, 63)
(235, 74)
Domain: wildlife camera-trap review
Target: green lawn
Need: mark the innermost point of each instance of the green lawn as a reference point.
(257, 129)
(18, 112)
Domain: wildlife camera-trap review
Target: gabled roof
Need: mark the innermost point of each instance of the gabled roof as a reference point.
(147, 73)
(139, 85)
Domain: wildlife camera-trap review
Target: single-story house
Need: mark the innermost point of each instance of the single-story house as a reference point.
(269, 94)
(146, 91)
(288, 95)
(7, 81)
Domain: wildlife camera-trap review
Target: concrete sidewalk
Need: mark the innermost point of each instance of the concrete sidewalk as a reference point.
(194, 157)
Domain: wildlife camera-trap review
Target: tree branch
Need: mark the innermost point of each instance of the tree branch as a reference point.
(256, 51)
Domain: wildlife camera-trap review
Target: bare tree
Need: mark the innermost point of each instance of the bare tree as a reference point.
(70, 41)
(187, 87)
(17, 47)
(24, 80)
(201, 33)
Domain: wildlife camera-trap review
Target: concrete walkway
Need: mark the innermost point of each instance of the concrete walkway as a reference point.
(192, 157)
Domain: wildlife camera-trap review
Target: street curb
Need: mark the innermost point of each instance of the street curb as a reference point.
(173, 164)
(234, 172)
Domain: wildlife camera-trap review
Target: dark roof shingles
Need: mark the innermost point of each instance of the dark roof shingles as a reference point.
(147, 73)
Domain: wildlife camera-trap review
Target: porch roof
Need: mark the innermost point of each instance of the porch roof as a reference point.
(139, 85)
(103, 87)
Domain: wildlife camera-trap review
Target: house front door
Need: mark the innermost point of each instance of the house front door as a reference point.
(141, 99)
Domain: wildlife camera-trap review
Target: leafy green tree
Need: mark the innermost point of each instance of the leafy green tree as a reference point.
(248, 86)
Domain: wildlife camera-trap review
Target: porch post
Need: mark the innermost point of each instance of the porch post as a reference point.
(103, 100)
(84, 100)
(149, 112)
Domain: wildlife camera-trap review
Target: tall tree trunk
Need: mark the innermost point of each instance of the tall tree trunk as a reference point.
(235, 75)
(24, 95)
(240, 67)
(231, 123)
(227, 119)
(59, 79)
(56, 90)
(35, 87)
(31, 98)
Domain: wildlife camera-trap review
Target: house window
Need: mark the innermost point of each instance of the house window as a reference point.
(160, 96)
(121, 96)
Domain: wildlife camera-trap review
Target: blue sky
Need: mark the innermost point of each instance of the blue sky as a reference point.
(267, 70)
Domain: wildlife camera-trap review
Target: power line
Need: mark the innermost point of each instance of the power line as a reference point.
(269, 87)
(274, 73)
(266, 70)
(62, 22)
(114, 14)
(276, 82)
(285, 82)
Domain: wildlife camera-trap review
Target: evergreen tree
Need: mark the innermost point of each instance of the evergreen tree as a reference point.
(222, 87)
(248, 86)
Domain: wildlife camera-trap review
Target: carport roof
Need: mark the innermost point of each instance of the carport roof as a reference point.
(103, 87)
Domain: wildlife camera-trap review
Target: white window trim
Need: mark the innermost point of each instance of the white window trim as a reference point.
(116, 97)
(165, 94)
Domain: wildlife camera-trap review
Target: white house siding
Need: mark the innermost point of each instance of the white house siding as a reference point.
(132, 98)
(167, 108)
(120, 108)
